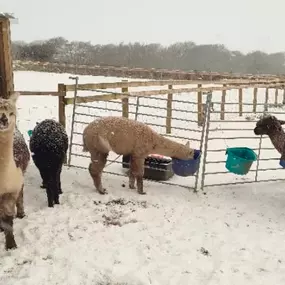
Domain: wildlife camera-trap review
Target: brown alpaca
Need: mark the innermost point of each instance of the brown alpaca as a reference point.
(127, 137)
(14, 157)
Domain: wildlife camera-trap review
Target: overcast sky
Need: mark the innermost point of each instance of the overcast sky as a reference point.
(244, 25)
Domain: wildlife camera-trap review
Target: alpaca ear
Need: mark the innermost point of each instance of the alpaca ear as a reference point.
(281, 122)
(187, 144)
(14, 97)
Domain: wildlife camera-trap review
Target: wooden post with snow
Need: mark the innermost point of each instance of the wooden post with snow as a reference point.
(61, 88)
(266, 99)
(125, 102)
(200, 106)
(6, 62)
(240, 95)
(61, 104)
(224, 93)
(254, 100)
(169, 111)
(276, 97)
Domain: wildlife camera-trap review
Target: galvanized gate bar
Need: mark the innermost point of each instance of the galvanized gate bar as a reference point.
(205, 181)
(206, 136)
(81, 110)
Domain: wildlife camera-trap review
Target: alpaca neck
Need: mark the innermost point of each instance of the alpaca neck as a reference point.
(6, 148)
(278, 139)
(167, 147)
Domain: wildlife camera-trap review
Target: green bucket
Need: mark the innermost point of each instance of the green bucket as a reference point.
(240, 159)
(30, 133)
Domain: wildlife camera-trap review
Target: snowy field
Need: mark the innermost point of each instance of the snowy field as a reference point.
(230, 235)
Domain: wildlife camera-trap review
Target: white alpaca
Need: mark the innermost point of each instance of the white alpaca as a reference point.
(14, 159)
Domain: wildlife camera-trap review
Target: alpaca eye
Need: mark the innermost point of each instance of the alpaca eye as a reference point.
(11, 114)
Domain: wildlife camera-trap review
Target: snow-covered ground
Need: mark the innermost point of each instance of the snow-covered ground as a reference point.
(230, 235)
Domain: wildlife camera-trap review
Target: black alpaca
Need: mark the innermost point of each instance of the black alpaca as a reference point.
(48, 145)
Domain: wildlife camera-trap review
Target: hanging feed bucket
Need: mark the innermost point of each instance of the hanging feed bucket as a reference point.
(240, 159)
(186, 167)
(282, 163)
(30, 133)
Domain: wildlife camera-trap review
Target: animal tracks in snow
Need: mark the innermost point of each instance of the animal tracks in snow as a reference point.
(156, 239)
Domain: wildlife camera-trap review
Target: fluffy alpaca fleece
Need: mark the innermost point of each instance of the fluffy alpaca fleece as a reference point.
(127, 137)
(48, 144)
(271, 126)
(14, 160)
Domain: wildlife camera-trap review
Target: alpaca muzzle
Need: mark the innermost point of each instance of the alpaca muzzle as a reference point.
(258, 131)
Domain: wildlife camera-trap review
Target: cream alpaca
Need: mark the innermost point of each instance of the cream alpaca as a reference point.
(14, 158)
(127, 137)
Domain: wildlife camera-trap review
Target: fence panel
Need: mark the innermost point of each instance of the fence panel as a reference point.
(212, 135)
(154, 111)
(236, 131)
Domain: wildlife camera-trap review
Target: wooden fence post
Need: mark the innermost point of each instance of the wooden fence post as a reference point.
(240, 101)
(6, 65)
(125, 102)
(169, 110)
(200, 106)
(61, 88)
(266, 99)
(254, 100)
(61, 104)
(276, 97)
(223, 101)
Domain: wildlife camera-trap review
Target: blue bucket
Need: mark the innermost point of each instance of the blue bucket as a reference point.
(240, 159)
(282, 163)
(186, 167)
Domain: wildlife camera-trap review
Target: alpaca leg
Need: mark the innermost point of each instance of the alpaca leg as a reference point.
(20, 204)
(37, 160)
(56, 188)
(7, 206)
(137, 169)
(50, 189)
(44, 183)
(44, 176)
(59, 180)
(56, 196)
(98, 162)
(7, 225)
(50, 195)
(132, 178)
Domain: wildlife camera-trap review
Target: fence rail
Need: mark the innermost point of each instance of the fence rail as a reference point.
(174, 87)
(126, 84)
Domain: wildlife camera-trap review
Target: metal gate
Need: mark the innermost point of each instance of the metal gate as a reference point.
(150, 110)
(233, 132)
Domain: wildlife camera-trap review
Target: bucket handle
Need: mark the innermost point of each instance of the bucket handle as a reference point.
(228, 150)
